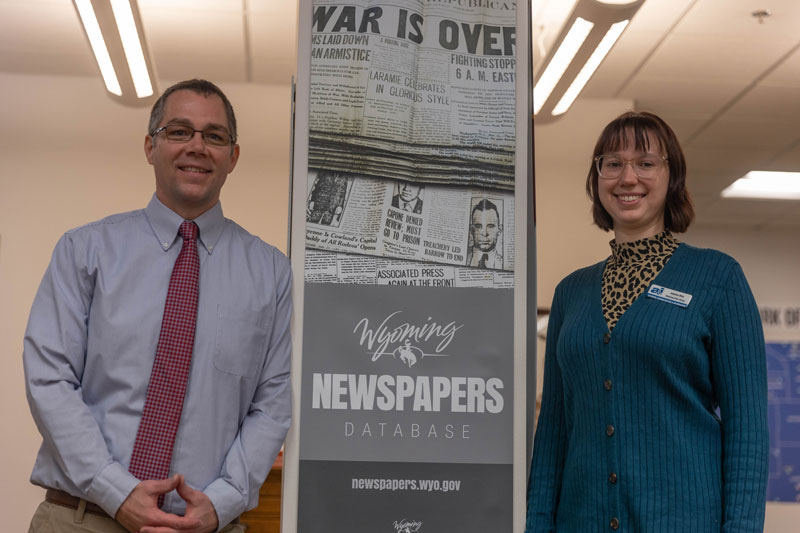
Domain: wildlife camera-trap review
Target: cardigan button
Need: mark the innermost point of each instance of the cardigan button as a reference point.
(609, 430)
(607, 384)
(607, 338)
(614, 523)
(612, 478)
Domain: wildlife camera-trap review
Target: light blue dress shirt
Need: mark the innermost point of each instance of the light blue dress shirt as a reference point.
(91, 341)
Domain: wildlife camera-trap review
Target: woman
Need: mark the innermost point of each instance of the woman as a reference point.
(654, 403)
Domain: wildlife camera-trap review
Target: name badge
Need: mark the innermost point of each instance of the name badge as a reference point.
(657, 292)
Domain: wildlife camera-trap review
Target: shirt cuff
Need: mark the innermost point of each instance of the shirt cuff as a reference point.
(227, 501)
(111, 487)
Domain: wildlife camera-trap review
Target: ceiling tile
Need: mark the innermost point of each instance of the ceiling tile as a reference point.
(787, 73)
(273, 48)
(287, 11)
(684, 125)
(789, 217)
(640, 38)
(191, 5)
(657, 16)
(707, 184)
(205, 44)
(630, 51)
(43, 37)
(735, 133)
(734, 17)
(787, 160)
(712, 168)
(699, 97)
(702, 57)
(198, 33)
(775, 103)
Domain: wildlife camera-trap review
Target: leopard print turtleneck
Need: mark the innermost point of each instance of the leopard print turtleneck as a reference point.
(629, 271)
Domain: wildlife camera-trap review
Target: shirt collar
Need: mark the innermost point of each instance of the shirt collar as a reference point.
(165, 223)
(636, 251)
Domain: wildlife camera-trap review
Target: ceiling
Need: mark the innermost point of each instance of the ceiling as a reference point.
(223, 40)
(727, 83)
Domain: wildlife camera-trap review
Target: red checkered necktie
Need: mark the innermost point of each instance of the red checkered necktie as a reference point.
(152, 450)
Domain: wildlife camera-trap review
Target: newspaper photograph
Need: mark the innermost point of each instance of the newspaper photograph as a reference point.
(333, 267)
(422, 91)
(408, 220)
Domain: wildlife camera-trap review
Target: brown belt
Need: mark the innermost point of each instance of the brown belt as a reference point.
(59, 497)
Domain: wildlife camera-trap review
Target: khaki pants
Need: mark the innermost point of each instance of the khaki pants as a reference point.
(53, 518)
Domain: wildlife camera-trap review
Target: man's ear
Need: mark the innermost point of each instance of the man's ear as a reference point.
(148, 148)
(234, 157)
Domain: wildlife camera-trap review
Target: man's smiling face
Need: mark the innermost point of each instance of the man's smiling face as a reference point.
(190, 175)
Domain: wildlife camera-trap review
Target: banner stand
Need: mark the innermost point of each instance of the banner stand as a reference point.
(427, 396)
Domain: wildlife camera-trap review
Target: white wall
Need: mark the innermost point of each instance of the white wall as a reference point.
(770, 260)
(77, 158)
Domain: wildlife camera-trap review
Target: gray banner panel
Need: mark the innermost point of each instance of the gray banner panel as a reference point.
(343, 497)
(411, 374)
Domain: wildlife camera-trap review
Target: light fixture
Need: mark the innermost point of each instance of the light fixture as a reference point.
(115, 34)
(765, 185)
(589, 33)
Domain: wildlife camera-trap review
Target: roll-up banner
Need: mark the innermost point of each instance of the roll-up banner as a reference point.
(409, 244)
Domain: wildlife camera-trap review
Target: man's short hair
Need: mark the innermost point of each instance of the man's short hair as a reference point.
(204, 87)
(484, 205)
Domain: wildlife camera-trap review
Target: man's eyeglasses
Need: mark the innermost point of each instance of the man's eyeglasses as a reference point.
(611, 166)
(181, 133)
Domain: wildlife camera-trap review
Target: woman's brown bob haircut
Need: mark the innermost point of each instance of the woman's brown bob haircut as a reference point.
(678, 211)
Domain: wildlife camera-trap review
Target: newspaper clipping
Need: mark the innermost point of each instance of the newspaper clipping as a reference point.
(420, 90)
(399, 219)
(331, 267)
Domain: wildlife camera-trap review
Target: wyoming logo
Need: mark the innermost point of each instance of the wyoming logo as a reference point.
(393, 330)
(407, 526)
(408, 354)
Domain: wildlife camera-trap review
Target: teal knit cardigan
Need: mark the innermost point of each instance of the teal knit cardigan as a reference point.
(629, 437)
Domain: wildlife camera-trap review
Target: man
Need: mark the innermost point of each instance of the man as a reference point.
(485, 229)
(159, 342)
(407, 197)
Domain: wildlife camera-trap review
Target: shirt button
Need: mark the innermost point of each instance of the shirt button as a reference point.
(612, 477)
(607, 338)
(614, 523)
(607, 384)
(609, 430)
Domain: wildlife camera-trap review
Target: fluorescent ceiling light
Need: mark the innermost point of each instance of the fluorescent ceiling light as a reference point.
(591, 65)
(98, 44)
(592, 29)
(765, 185)
(563, 57)
(132, 46)
(116, 36)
